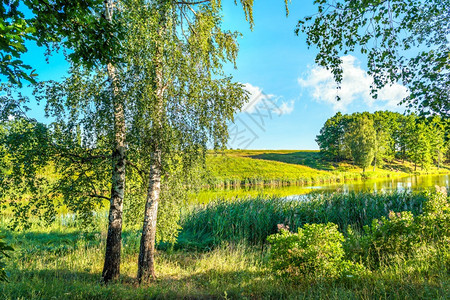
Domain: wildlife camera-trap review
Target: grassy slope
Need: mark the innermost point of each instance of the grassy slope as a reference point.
(237, 167)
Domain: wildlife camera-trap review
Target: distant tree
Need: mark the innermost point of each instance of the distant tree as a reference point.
(406, 125)
(361, 140)
(447, 139)
(436, 131)
(404, 40)
(419, 144)
(3, 158)
(381, 147)
(447, 153)
(384, 125)
(421, 140)
(331, 137)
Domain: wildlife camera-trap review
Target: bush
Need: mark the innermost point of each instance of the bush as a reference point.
(402, 235)
(316, 251)
(434, 223)
(388, 238)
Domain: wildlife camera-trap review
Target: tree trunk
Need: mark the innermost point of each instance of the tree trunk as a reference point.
(146, 264)
(111, 268)
(374, 162)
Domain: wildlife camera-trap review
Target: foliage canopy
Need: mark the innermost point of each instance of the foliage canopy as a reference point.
(403, 40)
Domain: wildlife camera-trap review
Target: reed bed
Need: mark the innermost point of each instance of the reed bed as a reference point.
(251, 220)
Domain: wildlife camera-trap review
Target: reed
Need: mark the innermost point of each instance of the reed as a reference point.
(251, 220)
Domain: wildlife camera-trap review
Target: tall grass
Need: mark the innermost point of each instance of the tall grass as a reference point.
(227, 272)
(251, 220)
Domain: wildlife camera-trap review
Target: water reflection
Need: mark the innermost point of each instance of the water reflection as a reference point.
(401, 184)
(411, 183)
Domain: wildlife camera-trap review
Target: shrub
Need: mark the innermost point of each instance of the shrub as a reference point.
(395, 236)
(316, 251)
(401, 235)
(434, 223)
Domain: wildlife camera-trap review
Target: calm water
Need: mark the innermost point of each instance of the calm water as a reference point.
(410, 183)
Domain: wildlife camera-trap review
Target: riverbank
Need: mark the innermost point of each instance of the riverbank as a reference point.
(233, 168)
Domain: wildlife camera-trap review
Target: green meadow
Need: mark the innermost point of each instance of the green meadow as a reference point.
(296, 167)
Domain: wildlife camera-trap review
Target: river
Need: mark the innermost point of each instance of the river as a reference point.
(408, 183)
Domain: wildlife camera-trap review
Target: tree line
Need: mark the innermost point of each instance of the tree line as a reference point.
(371, 139)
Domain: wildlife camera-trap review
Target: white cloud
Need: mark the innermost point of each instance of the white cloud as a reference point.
(256, 97)
(286, 108)
(258, 100)
(355, 86)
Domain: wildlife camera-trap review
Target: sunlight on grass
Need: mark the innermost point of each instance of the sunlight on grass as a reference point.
(294, 167)
(65, 261)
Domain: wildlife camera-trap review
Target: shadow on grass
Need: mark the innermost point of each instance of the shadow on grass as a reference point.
(309, 159)
(60, 243)
(66, 284)
(63, 237)
(62, 284)
(396, 166)
(211, 284)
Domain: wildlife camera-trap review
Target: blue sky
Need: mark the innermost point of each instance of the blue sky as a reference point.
(290, 97)
(273, 60)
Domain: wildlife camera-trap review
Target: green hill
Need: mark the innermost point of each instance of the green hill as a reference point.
(287, 167)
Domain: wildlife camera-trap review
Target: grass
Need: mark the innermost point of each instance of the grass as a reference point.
(65, 262)
(229, 271)
(294, 167)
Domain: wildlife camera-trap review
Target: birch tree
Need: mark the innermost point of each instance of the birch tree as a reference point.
(183, 100)
(81, 26)
(165, 91)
